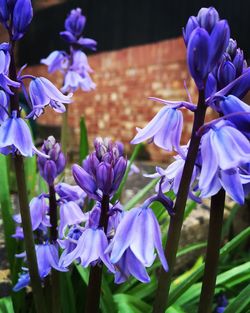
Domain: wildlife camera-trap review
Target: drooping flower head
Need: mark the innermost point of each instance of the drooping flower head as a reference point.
(101, 173)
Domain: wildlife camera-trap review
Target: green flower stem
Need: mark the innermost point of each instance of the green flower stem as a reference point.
(213, 252)
(176, 221)
(95, 275)
(55, 275)
(64, 131)
(24, 205)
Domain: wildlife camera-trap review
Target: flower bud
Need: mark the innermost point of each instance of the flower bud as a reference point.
(104, 177)
(207, 18)
(84, 180)
(75, 22)
(4, 12)
(49, 172)
(198, 56)
(191, 25)
(119, 171)
(226, 73)
(238, 62)
(231, 48)
(22, 17)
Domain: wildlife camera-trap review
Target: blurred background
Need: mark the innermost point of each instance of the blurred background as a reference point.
(140, 54)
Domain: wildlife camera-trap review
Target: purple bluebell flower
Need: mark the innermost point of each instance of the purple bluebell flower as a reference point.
(130, 265)
(74, 80)
(74, 25)
(90, 249)
(22, 16)
(68, 192)
(52, 167)
(18, 233)
(164, 129)
(5, 81)
(140, 232)
(222, 303)
(4, 12)
(42, 93)
(102, 171)
(4, 106)
(15, 136)
(70, 214)
(57, 60)
(23, 281)
(38, 212)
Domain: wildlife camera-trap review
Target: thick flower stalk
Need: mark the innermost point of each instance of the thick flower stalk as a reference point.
(72, 64)
(216, 159)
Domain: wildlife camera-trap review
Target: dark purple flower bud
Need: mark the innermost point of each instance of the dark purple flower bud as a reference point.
(191, 25)
(207, 18)
(23, 281)
(198, 56)
(4, 106)
(68, 36)
(4, 12)
(104, 177)
(87, 43)
(22, 17)
(226, 73)
(211, 85)
(219, 40)
(231, 48)
(75, 22)
(119, 171)
(238, 62)
(50, 169)
(84, 180)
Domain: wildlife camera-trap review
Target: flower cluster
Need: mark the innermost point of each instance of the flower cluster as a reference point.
(74, 65)
(218, 69)
(15, 136)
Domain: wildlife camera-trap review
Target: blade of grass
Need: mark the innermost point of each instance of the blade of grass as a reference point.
(240, 302)
(137, 149)
(6, 305)
(84, 146)
(68, 304)
(7, 212)
(177, 291)
(31, 175)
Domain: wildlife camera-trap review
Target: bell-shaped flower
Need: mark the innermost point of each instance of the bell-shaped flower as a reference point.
(42, 93)
(38, 212)
(138, 230)
(129, 265)
(67, 192)
(23, 281)
(164, 129)
(74, 80)
(222, 147)
(70, 214)
(56, 60)
(15, 135)
(90, 249)
(4, 106)
(22, 16)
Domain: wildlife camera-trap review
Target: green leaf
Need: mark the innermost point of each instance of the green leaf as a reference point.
(84, 273)
(68, 304)
(30, 175)
(178, 291)
(174, 309)
(7, 211)
(137, 149)
(129, 303)
(229, 221)
(240, 302)
(84, 146)
(140, 195)
(6, 305)
(107, 301)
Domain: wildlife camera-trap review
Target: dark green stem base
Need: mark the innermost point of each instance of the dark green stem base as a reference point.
(213, 252)
(176, 221)
(95, 275)
(64, 131)
(28, 236)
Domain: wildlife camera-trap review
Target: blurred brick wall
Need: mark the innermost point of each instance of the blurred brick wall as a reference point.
(125, 79)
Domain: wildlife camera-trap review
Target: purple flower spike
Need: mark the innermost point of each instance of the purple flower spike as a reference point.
(15, 135)
(165, 129)
(75, 22)
(90, 248)
(43, 93)
(70, 214)
(138, 230)
(22, 17)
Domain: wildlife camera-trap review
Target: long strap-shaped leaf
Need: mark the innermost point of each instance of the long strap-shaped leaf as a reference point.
(240, 302)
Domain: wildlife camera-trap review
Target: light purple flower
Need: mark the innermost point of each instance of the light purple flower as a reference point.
(23, 281)
(38, 212)
(138, 230)
(15, 135)
(4, 106)
(70, 214)
(70, 193)
(90, 249)
(56, 60)
(164, 129)
(130, 265)
(74, 80)
(42, 93)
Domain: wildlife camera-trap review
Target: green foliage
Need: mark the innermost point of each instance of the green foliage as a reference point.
(6, 305)
(84, 146)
